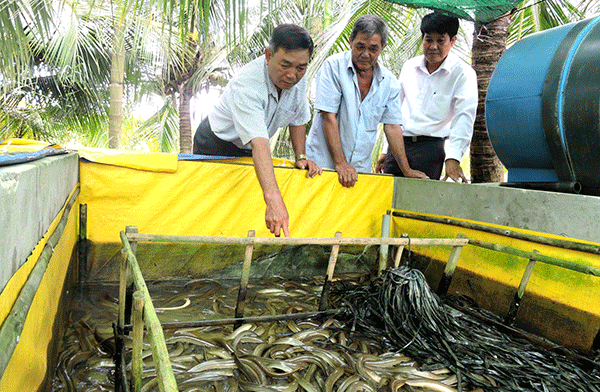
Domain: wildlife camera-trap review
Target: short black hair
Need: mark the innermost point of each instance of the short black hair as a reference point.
(370, 25)
(436, 22)
(291, 37)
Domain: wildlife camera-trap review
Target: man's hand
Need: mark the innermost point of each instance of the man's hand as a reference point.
(415, 174)
(312, 167)
(454, 171)
(380, 163)
(346, 174)
(277, 217)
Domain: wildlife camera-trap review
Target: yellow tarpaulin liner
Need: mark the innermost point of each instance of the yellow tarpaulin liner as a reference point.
(24, 145)
(154, 161)
(26, 370)
(158, 162)
(225, 199)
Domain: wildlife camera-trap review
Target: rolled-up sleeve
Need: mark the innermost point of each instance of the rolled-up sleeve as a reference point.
(248, 113)
(393, 110)
(329, 89)
(303, 113)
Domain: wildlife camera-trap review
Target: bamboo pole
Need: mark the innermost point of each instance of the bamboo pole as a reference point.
(386, 223)
(559, 243)
(124, 270)
(82, 245)
(12, 327)
(129, 283)
(241, 300)
(335, 250)
(585, 269)
(249, 319)
(449, 269)
(296, 240)
(511, 315)
(137, 364)
(160, 354)
(399, 251)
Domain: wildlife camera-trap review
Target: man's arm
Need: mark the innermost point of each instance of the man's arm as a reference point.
(454, 171)
(461, 128)
(298, 137)
(347, 174)
(276, 215)
(393, 133)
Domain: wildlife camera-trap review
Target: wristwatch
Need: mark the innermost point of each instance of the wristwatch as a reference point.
(301, 157)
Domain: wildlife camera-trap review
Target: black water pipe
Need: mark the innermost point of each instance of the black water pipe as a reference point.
(563, 187)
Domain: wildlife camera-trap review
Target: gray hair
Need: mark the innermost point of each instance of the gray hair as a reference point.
(369, 25)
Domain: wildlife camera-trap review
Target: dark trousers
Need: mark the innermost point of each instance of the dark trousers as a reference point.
(426, 154)
(207, 143)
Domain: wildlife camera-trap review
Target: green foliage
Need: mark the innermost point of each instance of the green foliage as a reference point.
(56, 62)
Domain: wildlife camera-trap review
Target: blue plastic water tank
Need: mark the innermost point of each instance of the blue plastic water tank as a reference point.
(543, 106)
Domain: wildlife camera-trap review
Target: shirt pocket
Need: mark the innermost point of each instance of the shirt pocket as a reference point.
(438, 106)
(281, 118)
(373, 116)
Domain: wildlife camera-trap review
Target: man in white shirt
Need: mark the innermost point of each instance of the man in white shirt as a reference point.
(354, 93)
(439, 102)
(266, 94)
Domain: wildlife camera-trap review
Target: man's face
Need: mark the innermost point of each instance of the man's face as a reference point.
(365, 51)
(436, 47)
(286, 67)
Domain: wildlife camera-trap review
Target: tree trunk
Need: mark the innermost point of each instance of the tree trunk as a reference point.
(117, 72)
(185, 122)
(489, 43)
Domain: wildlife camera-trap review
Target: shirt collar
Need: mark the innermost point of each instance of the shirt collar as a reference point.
(270, 85)
(446, 65)
(377, 73)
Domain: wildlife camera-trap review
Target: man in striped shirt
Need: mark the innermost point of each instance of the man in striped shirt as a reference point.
(266, 94)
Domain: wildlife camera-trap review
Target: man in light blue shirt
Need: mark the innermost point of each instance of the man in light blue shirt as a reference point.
(354, 94)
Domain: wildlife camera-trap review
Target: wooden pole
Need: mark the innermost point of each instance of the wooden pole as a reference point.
(399, 251)
(296, 240)
(514, 306)
(82, 245)
(137, 364)
(160, 353)
(335, 250)
(249, 319)
(450, 267)
(386, 223)
(241, 300)
(505, 232)
(584, 269)
(129, 283)
(124, 269)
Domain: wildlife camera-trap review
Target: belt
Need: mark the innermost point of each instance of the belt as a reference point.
(422, 138)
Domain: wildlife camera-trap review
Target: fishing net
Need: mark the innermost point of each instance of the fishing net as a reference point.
(400, 309)
(475, 10)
